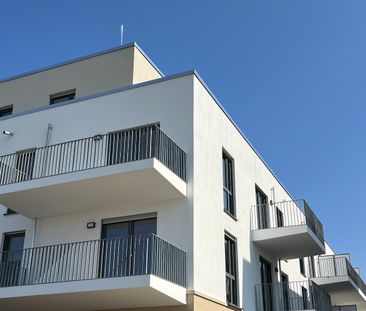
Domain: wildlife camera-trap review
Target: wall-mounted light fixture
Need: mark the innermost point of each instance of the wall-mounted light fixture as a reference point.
(91, 225)
(8, 133)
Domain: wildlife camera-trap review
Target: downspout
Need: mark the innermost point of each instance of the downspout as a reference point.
(35, 222)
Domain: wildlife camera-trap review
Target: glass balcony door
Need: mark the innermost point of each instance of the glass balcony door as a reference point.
(124, 249)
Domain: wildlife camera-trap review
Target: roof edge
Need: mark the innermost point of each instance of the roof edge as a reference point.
(81, 58)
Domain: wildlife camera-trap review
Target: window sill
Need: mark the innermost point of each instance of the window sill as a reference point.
(231, 215)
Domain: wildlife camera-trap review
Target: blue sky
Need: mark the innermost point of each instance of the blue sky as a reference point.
(291, 74)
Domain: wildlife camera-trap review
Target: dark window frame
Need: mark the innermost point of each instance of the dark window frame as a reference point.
(302, 266)
(231, 263)
(228, 177)
(263, 216)
(6, 111)
(280, 219)
(304, 294)
(63, 96)
(266, 275)
(24, 164)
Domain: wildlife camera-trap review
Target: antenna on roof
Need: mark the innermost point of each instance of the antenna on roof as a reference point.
(122, 34)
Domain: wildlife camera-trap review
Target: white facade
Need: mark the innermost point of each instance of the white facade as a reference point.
(190, 213)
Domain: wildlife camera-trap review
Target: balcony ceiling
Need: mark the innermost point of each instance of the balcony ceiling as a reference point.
(343, 291)
(288, 242)
(100, 294)
(144, 181)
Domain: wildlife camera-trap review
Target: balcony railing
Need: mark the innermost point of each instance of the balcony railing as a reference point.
(345, 308)
(292, 296)
(337, 265)
(93, 152)
(119, 257)
(286, 214)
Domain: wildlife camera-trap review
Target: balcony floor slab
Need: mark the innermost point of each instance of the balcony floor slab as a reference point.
(288, 242)
(98, 294)
(143, 181)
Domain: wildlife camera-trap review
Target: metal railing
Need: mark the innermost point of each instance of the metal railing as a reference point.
(345, 308)
(286, 214)
(337, 265)
(292, 296)
(93, 152)
(109, 258)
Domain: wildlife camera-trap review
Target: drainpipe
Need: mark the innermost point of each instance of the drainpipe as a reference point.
(35, 222)
(34, 235)
(279, 270)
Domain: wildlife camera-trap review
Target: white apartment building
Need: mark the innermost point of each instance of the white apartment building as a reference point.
(124, 189)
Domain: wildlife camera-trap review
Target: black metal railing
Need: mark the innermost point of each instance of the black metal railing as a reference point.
(292, 296)
(345, 308)
(109, 258)
(328, 266)
(286, 214)
(93, 152)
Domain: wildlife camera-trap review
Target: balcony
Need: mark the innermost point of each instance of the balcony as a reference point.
(127, 272)
(345, 308)
(336, 275)
(302, 295)
(287, 229)
(140, 165)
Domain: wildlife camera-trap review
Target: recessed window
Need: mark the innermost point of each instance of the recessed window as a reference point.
(304, 292)
(62, 97)
(6, 111)
(262, 209)
(231, 273)
(228, 179)
(302, 266)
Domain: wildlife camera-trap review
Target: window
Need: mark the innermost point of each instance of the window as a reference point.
(302, 266)
(228, 178)
(311, 266)
(6, 111)
(304, 292)
(266, 280)
(285, 291)
(231, 275)
(125, 243)
(262, 209)
(62, 97)
(279, 214)
(24, 164)
(12, 257)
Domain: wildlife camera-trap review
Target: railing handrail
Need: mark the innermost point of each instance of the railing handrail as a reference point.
(121, 146)
(94, 240)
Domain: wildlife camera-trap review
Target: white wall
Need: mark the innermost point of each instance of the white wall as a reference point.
(196, 224)
(213, 131)
(169, 102)
(112, 70)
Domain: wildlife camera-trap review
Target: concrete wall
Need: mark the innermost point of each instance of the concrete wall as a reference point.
(213, 133)
(164, 102)
(112, 70)
(191, 117)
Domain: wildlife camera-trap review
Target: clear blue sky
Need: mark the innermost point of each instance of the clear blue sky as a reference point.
(291, 73)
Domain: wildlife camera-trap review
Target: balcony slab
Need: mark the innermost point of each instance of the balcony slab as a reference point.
(98, 294)
(343, 291)
(143, 181)
(288, 242)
